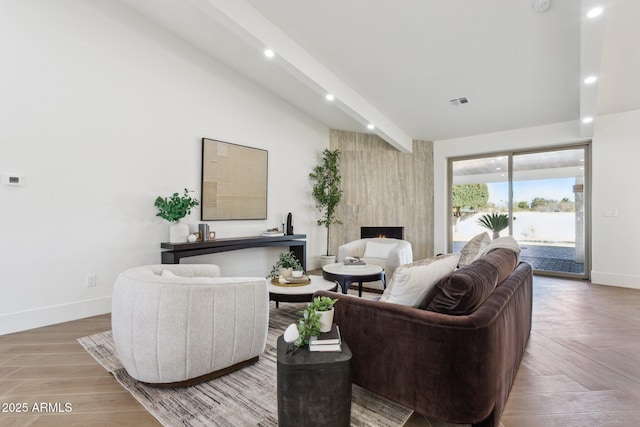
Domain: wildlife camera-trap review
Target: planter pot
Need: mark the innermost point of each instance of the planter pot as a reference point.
(179, 232)
(327, 259)
(286, 272)
(326, 320)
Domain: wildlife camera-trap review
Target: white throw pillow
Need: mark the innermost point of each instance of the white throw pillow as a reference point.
(378, 250)
(471, 251)
(411, 282)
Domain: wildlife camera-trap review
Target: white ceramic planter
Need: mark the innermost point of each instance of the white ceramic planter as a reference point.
(179, 232)
(285, 272)
(327, 259)
(326, 320)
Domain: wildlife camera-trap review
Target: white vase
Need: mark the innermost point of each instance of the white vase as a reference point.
(178, 232)
(326, 320)
(285, 272)
(327, 259)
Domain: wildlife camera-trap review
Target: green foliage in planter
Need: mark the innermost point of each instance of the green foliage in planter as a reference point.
(175, 207)
(309, 325)
(326, 189)
(322, 303)
(285, 260)
(495, 222)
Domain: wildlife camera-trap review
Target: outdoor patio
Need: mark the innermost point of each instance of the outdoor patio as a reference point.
(545, 258)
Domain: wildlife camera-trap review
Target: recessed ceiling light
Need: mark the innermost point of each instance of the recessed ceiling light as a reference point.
(590, 80)
(330, 97)
(587, 120)
(498, 169)
(595, 12)
(370, 126)
(269, 53)
(541, 5)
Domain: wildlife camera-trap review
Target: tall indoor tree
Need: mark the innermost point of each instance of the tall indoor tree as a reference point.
(326, 189)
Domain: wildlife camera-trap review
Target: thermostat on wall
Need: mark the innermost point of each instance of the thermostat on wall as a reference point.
(12, 179)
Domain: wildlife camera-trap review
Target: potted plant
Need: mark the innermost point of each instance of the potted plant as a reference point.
(285, 266)
(314, 318)
(173, 209)
(327, 193)
(495, 222)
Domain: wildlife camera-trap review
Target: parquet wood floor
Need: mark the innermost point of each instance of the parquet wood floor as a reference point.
(581, 368)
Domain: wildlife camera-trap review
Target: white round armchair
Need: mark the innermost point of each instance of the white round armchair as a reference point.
(387, 253)
(177, 325)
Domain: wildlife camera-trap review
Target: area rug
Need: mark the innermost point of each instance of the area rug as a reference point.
(246, 397)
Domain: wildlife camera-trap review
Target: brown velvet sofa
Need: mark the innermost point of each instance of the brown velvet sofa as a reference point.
(455, 367)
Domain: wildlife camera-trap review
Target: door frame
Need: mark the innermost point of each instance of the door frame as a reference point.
(586, 145)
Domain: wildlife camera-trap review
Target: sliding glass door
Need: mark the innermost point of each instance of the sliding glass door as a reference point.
(539, 198)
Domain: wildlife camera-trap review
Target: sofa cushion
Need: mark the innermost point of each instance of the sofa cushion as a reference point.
(464, 290)
(505, 260)
(378, 250)
(471, 250)
(411, 282)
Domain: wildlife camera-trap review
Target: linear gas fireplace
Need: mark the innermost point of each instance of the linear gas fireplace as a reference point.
(389, 232)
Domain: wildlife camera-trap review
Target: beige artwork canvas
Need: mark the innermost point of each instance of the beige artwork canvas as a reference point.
(234, 181)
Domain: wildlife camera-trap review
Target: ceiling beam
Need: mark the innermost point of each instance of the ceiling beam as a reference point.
(247, 23)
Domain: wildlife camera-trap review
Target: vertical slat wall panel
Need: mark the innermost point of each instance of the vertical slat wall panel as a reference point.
(384, 187)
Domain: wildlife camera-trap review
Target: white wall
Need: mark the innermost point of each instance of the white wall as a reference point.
(615, 186)
(102, 111)
(614, 151)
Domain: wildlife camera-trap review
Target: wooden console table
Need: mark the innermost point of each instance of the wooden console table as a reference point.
(176, 251)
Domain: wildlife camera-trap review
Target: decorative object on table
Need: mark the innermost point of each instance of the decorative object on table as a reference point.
(173, 209)
(291, 281)
(327, 341)
(495, 222)
(203, 229)
(354, 262)
(234, 181)
(327, 193)
(289, 224)
(314, 319)
(193, 237)
(290, 336)
(273, 232)
(287, 262)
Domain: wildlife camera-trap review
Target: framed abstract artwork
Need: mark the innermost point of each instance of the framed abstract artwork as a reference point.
(234, 181)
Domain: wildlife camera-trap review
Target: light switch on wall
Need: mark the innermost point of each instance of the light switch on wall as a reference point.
(12, 179)
(610, 212)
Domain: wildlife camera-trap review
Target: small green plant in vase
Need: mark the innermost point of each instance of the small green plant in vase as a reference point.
(312, 321)
(173, 209)
(286, 264)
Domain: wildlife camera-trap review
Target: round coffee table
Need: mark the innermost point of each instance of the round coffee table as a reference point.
(347, 275)
(303, 293)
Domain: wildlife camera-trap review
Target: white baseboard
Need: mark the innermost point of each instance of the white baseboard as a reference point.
(613, 279)
(29, 319)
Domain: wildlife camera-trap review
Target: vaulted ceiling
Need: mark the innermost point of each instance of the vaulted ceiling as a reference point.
(404, 66)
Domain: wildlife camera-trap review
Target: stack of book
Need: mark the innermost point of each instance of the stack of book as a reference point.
(327, 341)
(353, 262)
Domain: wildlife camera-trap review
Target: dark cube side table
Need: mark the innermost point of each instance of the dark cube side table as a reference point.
(314, 388)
